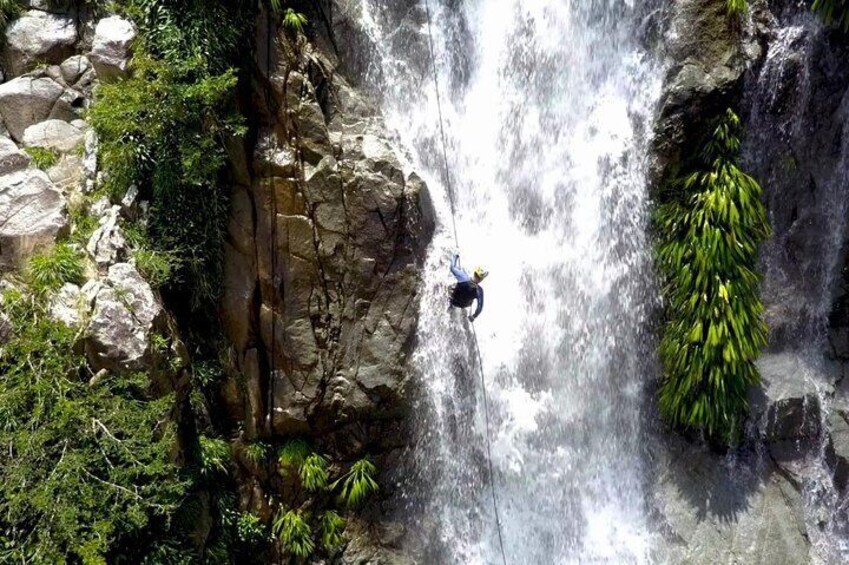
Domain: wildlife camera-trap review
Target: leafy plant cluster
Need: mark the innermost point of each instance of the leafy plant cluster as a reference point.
(42, 157)
(317, 524)
(709, 238)
(86, 469)
(833, 12)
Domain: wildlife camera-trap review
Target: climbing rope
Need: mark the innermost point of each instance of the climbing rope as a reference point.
(450, 188)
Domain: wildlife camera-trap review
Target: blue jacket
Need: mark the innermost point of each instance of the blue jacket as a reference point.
(463, 278)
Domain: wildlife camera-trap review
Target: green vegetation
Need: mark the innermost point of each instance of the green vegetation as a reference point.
(331, 526)
(42, 157)
(86, 473)
(294, 534)
(214, 456)
(251, 530)
(257, 452)
(737, 7)
(358, 484)
(9, 10)
(155, 266)
(83, 223)
(294, 453)
(313, 473)
(833, 12)
(294, 20)
(48, 271)
(707, 255)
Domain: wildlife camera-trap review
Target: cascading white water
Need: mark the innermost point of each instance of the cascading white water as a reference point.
(547, 107)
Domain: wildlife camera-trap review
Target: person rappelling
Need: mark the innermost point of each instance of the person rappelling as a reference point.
(468, 288)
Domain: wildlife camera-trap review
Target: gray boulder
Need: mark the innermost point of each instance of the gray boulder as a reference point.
(110, 52)
(123, 319)
(38, 37)
(53, 134)
(73, 68)
(26, 101)
(32, 214)
(11, 158)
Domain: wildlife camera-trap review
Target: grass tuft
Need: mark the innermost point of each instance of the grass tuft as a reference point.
(48, 271)
(42, 157)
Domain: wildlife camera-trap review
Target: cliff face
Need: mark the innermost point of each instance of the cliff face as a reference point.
(777, 497)
(326, 239)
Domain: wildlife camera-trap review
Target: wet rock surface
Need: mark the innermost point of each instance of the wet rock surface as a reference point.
(322, 263)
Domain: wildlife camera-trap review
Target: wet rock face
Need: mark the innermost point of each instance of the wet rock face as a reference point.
(709, 54)
(326, 238)
(712, 509)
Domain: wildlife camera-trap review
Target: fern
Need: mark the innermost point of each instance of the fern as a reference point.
(294, 534)
(294, 20)
(313, 473)
(708, 252)
(293, 453)
(833, 12)
(331, 525)
(250, 529)
(358, 483)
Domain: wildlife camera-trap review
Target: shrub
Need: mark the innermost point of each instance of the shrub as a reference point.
(313, 473)
(9, 10)
(294, 534)
(85, 471)
(833, 11)
(42, 157)
(707, 256)
(61, 264)
(331, 526)
(358, 483)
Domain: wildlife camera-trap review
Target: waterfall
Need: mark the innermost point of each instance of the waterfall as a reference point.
(547, 107)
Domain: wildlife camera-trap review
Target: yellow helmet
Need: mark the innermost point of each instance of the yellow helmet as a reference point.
(480, 273)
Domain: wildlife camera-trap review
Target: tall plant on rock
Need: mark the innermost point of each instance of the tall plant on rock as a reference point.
(707, 256)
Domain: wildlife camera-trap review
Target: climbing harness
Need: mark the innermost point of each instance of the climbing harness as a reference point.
(450, 188)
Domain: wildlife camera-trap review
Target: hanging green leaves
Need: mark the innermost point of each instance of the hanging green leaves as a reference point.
(707, 255)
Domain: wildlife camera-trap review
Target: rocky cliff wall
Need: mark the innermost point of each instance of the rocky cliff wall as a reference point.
(777, 498)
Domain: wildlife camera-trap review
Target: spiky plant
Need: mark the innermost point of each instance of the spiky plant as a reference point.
(250, 529)
(293, 453)
(214, 455)
(51, 269)
(358, 483)
(833, 12)
(294, 534)
(313, 473)
(294, 20)
(331, 526)
(737, 7)
(707, 255)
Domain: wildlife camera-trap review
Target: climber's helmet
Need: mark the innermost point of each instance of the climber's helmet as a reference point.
(480, 274)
